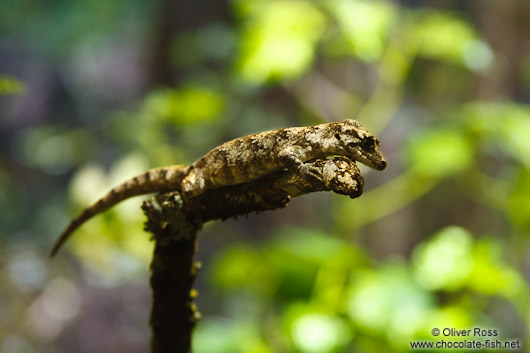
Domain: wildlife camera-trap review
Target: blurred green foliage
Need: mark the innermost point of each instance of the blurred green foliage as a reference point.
(11, 85)
(363, 28)
(186, 106)
(439, 239)
(278, 38)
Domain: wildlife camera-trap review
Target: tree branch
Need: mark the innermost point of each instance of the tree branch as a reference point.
(175, 222)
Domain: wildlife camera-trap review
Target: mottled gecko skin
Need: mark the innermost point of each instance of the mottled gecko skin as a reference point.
(246, 159)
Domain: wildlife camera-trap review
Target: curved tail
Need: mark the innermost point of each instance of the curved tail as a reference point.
(155, 180)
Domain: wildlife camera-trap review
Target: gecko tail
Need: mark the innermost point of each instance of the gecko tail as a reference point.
(163, 179)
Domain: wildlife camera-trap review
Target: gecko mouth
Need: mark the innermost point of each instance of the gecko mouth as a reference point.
(378, 162)
(381, 164)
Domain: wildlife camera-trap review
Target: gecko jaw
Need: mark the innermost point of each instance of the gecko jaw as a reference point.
(370, 157)
(377, 164)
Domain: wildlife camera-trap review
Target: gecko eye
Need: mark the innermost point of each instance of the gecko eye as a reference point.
(368, 143)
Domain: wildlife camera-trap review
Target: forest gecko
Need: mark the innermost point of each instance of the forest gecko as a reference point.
(243, 160)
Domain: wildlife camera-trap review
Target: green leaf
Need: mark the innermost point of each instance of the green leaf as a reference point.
(445, 36)
(240, 266)
(186, 105)
(224, 335)
(11, 86)
(518, 203)
(365, 26)
(490, 275)
(315, 329)
(440, 153)
(279, 39)
(388, 301)
(501, 125)
(445, 261)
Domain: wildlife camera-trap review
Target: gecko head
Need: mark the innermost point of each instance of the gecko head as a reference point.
(360, 144)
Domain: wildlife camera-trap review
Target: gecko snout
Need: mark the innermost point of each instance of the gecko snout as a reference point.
(381, 164)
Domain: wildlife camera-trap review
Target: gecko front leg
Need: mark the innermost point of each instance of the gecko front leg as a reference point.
(342, 176)
(290, 156)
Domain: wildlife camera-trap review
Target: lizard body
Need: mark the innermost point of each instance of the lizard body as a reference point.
(246, 159)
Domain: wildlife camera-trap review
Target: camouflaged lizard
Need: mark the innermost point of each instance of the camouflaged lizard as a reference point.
(246, 159)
